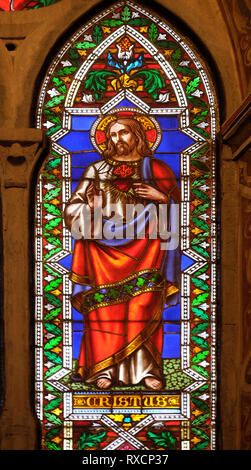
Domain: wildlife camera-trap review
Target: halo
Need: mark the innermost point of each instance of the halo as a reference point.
(150, 125)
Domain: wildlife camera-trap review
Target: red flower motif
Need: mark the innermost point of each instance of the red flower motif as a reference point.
(123, 171)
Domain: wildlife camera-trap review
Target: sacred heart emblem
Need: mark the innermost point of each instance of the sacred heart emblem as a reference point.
(123, 184)
(124, 171)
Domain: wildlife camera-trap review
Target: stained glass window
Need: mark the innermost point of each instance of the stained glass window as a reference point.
(126, 324)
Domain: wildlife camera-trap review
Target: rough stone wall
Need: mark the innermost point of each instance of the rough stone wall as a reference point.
(28, 40)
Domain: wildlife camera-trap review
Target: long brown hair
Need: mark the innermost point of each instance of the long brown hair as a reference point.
(136, 129)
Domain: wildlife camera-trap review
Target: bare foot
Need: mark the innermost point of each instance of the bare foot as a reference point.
(103, 383)
(153, 383)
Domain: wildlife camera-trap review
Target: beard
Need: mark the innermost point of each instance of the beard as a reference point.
(122, 148)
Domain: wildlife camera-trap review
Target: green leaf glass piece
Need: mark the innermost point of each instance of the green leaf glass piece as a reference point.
(153, 81)
(140, 282)
(50, 388)
(52, 285)
(200, 313)
(53, 343)
(200, 390)
(52, 418)
(200, 370)
(187, 71)
(113, 293)
(51, 253)
(200, 356)
(165, 439)
(51, 177)
(201, 131)
(200, 117)
(53, 223)
(52, 130)
(200, 152)
(192, 85)
(200, 209)
(55, 101)
(201, 195)
(98, 297)
(53, 299)
(197, 102)
(57, 82)
(62, 89)
(200, 299)
(200, 433)
(200, 223)
(201, 237)
(175, 57)
(126, 14)
(199, 165)
(90, 440)
(200, 283)
(139, 22)
(52, 209)
(52, 194)
(96, 80)
(53, 117)
(153, 32)
(111, 22)
(52, 445)
(166, 44)
(53, 432)
(73, 54)
(200, 327)
(127, 288)
(199, 181)
(53, 163)
(201, 445)
(52, 405)
(84, 45)
(97, 34)
(200, 250)
(199, 420)
(52, 314)
(200, 342)
(54, 329)
(50, 270)
(52, 371)
(53, 240)
(53, 357)
(65, 71)
(200, 404)
(201, 270)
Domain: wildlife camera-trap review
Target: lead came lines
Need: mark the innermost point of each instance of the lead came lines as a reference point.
(198, 260)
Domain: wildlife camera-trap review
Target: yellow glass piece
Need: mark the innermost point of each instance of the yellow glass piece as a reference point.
(56, 292)
(197, 291)
(196, 230)
(57, 411)
(124, 81)
(195, 440)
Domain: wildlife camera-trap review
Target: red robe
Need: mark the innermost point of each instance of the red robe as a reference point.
(123, 310)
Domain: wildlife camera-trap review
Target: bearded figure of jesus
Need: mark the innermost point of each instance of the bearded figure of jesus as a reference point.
(121, 285)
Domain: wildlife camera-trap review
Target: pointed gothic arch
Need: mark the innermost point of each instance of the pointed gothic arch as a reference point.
(73, 98)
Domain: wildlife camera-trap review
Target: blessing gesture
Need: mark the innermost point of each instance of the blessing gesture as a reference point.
(94, 196)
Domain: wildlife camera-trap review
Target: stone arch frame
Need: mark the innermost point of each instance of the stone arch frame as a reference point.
(26, 137)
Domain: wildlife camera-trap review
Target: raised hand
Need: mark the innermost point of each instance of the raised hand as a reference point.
(94, 196)
(145, 191)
